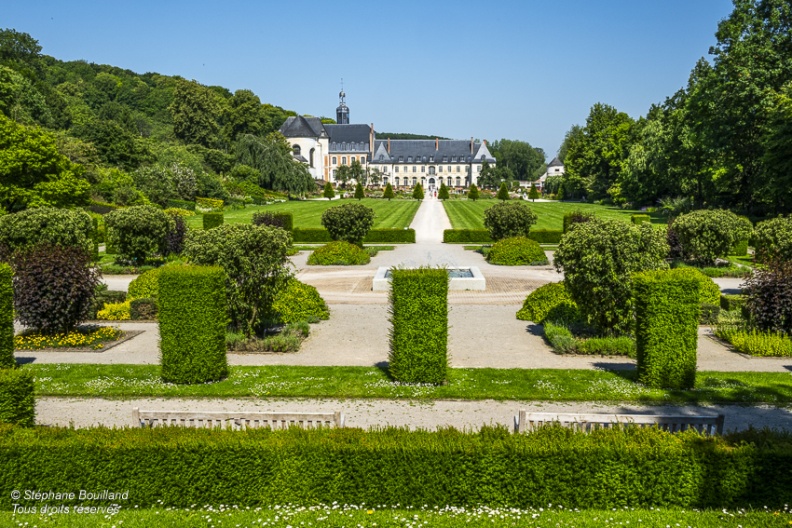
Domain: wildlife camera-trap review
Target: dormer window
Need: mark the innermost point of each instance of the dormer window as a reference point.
(445, 159)
(409, 159)
(296, 150)
(381, 157)
(431, 159)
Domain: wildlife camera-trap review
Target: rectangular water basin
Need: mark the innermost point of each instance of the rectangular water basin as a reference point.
(468, 278)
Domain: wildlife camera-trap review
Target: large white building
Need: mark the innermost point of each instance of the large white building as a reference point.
(401, 162)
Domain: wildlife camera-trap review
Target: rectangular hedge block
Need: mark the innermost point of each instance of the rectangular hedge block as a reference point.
(546, 236)
(6, 318)
(192, 320)
(182, 204)
(667, 313)
(639, 219)
(211, 220)
(612, 468)
(282, 219)
(374, 236)
(17, 400)
(419, 315)
(311, 235)
(465, 236)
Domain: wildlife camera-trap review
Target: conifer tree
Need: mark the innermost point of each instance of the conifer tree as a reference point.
(418, 193)
(473, 192)
(503, 192)
(359, 194)
(388, 192)
(443, 192)
(533, 194)
(328, 193)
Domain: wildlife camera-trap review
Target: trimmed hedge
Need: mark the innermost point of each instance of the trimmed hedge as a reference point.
(144, 308)
(182, 204)
(740, 249)
(6, 318)
(547, 300)
(638, 219)
(481, 236)
(282, 219)
(339, 253)
(667, 315)
(212, 204)
(193, 321)
(516, 251)
(212, 220)
(374, 236)
(463, 236)
(297, 302)
(609, 468)
(419, 315)
(17, 399)
(732, 302)
(146, 285)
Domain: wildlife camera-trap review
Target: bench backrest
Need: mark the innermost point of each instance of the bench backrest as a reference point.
(527, 421)
(238, 420)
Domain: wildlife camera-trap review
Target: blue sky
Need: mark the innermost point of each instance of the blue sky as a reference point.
(515, 69)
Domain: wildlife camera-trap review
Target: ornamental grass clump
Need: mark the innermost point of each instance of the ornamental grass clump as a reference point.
(192, 322)
(666, 330)
(419, 333)
(516, 251)
(339, 253)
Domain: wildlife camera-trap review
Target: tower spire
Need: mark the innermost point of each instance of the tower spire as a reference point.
(342, 112)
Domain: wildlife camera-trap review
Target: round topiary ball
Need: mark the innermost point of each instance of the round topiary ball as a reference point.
(517, 251)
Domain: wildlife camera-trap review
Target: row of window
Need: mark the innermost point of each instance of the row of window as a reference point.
(351, 159)
(432, 169)
(349, 146)
(451, 182)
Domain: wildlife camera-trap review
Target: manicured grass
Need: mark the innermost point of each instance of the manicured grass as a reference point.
(127, 381)
(466, 214)
(308, 213)
(336, 516)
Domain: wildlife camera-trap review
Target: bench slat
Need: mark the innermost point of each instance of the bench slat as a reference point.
(237, 420)
(526, 421)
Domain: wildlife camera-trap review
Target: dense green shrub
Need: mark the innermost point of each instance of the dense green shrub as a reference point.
(609, 468)
(473, 192)
(546, 236)
(705, 235)
(54, 287)
(138, 233)
(667, 316)
(418, 192)
(388, 194)
(641, 219)
(192, 322)
(299, 302)
(516, 251)
(503, 192)
(121, 311)
(105, 296)
(145, 285)
(213, 219)
(390, 235)
(598, 258)
(419, 335)
(313, 235)
(339, 253)
(6, 318)
(732, 302)
(349, 222)
(769, 297)
(144, 308)
(47, 225)
(254, 259)
(608, 346)
(460, 236)
(577, 217)
(210, 204)
(740, 249)
(506, 220)
(544, 300)
(773, 239)
(182, 204)
(709, 292)
(17, 398)
(282, 219)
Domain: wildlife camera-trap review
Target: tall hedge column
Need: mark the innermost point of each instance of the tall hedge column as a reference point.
(667, 315)
(17, 399)
(6, 318)
(419, 314)
(193, 319)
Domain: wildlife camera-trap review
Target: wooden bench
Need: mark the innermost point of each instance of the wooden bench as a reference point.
(527, 421)
(238, 420)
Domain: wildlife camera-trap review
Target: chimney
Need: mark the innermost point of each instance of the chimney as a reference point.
(371, 138)
(388, 145)
(471, 145)
(437, 144)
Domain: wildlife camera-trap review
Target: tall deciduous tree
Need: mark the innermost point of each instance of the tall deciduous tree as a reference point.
(196, 112)
(524, 161)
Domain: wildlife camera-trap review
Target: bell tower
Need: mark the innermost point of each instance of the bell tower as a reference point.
(342, 112)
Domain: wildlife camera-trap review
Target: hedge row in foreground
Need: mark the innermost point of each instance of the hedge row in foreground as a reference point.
(17, 398)
(318, 235)
(482, 236)
(6, 317)
(606, 469)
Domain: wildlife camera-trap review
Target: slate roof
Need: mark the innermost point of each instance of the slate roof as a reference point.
(300, 126)
(555, 163)
(422, 150)
(348, 134)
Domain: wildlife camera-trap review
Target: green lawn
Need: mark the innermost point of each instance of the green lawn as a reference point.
(128, 381)
(336, 516)
(466, 214)
(308, 213)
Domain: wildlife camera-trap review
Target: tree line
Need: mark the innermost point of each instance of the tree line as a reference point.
(724, 140)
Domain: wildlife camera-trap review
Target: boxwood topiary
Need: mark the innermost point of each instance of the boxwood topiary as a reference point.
(282, 219)
(138, 232)
(144, 308)
(709, 292)
(350, 222)
(705, 235)
(17, 400)
(339, 253)
(47, 225)
(516, 251)
(146, 285)
(212, 219)
(6, 318)
(509, 219)
(297, 302)
(552, 297)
